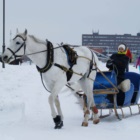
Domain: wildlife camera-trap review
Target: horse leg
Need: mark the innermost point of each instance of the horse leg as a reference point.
(58, 107)
(85, 105)
(54, 102)
(59, 124)
(95, 114)
(93, 106)
(87, 90)
(87, 85)
(56, 117)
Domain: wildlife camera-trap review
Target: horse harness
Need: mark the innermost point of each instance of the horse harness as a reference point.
(50, 58)
(71, 58)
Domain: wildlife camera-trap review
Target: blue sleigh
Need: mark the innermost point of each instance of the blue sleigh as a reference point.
(105, 84)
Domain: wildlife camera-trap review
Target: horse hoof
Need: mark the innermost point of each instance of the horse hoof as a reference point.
(84, 124)
(59, 125)
(96, 121)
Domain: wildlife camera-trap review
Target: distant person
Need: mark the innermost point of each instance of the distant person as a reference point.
(138, 64)
(118, 62)
(134, 60)
(129, 54)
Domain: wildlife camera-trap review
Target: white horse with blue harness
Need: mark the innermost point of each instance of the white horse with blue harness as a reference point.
(57, 68)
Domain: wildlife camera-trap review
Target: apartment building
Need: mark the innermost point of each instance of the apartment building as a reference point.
(109, 43)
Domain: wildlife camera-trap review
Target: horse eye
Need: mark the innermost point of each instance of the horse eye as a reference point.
(17, 43)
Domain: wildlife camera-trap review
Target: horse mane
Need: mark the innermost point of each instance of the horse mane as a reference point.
(37, 40)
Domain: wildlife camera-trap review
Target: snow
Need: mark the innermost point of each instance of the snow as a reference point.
(25, 112)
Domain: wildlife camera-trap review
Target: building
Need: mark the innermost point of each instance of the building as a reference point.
(109, 43)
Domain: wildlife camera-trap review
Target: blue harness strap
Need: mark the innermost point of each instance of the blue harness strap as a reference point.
(71, 55)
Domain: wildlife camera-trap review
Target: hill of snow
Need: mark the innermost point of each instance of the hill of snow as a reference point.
(25, 112)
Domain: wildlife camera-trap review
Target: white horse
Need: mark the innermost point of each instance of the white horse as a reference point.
(57, 69)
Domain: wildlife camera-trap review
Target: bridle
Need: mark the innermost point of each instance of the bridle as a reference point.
(22, 45)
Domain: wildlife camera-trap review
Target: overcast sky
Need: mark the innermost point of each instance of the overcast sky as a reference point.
(66, 20)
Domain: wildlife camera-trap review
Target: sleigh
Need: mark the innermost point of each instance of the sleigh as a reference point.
(104, 86)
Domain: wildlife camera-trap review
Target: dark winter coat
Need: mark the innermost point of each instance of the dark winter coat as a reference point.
(118, 63)
(138, 62)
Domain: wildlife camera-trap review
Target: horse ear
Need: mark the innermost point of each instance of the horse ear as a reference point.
(25, 32)
(17, 31)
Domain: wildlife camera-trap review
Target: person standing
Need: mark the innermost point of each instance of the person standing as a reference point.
(138, 63)
(129, 54)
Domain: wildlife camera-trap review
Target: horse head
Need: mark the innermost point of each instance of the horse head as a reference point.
(16, 49)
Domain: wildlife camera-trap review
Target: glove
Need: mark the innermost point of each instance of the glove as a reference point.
(110, 62)
(130, 60)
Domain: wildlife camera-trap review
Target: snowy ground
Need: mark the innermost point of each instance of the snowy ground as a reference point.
(25, 112)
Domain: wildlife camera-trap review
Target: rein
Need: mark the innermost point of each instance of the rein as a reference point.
(107, 79)
(24, 45)
(43, 51)
(49, 63)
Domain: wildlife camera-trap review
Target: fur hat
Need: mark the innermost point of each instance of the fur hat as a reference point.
(122, 46)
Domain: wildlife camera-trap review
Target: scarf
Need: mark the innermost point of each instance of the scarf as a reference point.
(122, 52)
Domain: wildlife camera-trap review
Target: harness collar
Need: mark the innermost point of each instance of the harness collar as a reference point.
(50, 58)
